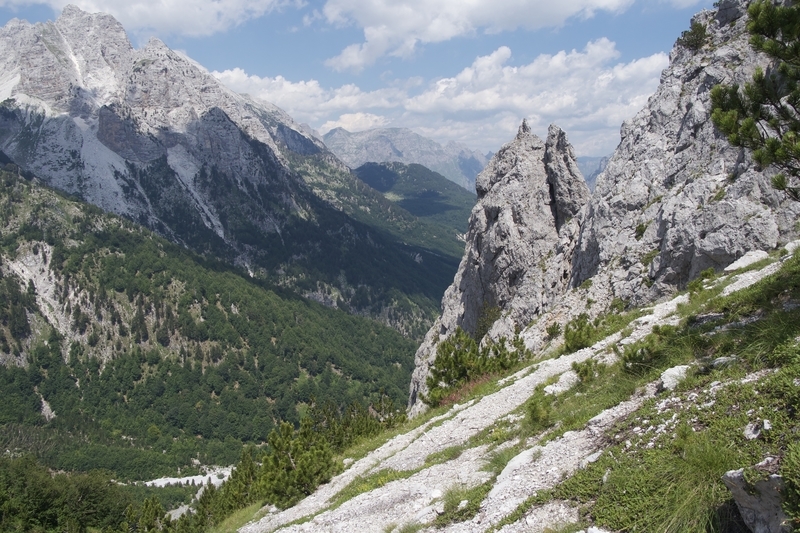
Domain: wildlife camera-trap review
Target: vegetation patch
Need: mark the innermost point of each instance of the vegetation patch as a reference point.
(373, 481)
(664, 472)
(581, 332)
(460, 361)
(462, 504)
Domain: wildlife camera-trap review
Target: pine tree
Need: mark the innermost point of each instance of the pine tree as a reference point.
(764, 115)
(298, 462)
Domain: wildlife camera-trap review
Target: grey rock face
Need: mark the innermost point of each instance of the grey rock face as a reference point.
(759, 504)
(456, 162)
(519, 244)
(675, 199)
(85, 112)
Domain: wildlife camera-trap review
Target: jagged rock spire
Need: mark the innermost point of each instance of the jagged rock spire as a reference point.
(529, 195)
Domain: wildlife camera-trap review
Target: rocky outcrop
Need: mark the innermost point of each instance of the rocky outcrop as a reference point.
(760, 502)
(519, 246)
(674, 200)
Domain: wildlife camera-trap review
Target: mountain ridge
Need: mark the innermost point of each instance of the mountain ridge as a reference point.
(151, 135)
(456, 162)
(674, 201)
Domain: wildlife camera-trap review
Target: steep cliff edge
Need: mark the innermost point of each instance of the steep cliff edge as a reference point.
(674, 200)
(519, 245)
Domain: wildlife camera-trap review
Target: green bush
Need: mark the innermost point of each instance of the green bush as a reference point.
(538, 411)
(298, 462)
(578, 334)
(649, 353)
(694, 38)
(459, 360)
(588, 370)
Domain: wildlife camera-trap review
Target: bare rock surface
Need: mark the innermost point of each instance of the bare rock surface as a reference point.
(521, 234)
(760, 504)
(671, 377)
(751, 257)
(674, 200)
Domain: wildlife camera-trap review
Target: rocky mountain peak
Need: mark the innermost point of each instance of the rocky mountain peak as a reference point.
(519, 244)
(674, 200)
(454, 161)
(568, 190)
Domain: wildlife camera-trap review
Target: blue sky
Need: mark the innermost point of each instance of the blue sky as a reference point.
(453, 70)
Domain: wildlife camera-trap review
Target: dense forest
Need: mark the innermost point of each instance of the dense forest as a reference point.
(425, 194)
(130, 354)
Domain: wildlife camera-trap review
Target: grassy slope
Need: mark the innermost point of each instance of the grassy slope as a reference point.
(662, 466)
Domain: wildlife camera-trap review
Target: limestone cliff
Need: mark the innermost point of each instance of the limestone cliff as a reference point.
(674, 200)
(519, 245)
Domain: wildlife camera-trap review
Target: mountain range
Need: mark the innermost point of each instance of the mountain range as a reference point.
(150, 135)
(602, 358)
(456, 162)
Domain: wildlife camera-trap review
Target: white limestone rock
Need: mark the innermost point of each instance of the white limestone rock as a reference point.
(751, 257)
(675, 199)
(671, 377)
(760, 504)
(519, 244)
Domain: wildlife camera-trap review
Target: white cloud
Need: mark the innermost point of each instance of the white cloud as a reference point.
(172, 17)
(396, 28)
(308, 101)
(589, 93)
(355, 122)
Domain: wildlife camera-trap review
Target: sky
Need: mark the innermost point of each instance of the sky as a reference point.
(466, 71)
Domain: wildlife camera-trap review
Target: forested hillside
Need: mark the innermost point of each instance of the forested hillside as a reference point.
(425, 194)
(125, 352)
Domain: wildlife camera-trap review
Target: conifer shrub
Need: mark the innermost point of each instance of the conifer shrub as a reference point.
(459, 361)
(694, 38)
(649, 353)
(553, 330)
(298, 462)
(588, 370)
(538, 411)
(578, 334)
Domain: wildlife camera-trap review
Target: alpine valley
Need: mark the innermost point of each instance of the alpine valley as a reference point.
(177, 261)
(151, 136)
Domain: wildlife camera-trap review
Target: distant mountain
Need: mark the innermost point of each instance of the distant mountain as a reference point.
(591, 168)
(423, 193)
(152, 136)
(454, 161)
